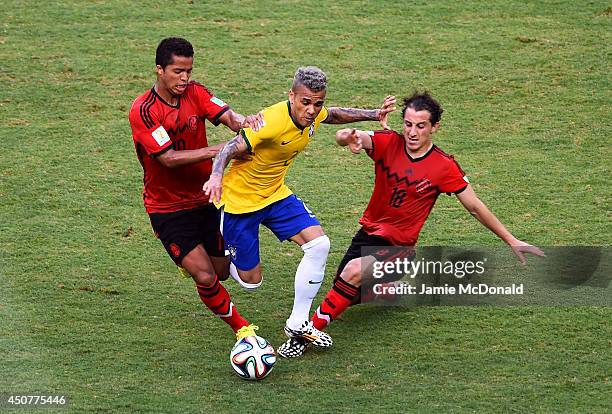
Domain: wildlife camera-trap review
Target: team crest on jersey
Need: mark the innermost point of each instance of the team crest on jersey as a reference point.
(423, 186)
(193, 123)
(311, 131)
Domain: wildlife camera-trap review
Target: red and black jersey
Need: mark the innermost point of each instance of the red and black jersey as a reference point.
(406, 188)
(158, 126)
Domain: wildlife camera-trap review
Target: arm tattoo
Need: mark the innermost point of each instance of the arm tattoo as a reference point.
(346, 115)
(229, 151)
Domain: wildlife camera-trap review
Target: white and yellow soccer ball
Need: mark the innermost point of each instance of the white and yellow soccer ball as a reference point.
(252, 358)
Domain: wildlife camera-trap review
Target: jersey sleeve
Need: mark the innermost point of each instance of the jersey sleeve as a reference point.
(455, 180)
(254, 138)
(147, 130)
(381, 141)
(211, 106)
(272, 126)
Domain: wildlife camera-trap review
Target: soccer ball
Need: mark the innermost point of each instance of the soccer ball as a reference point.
(252, 358)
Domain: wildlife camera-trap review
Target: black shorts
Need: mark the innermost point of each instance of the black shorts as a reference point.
(364, 244)
(181, 231)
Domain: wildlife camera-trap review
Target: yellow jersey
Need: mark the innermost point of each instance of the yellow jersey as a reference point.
(252, 185)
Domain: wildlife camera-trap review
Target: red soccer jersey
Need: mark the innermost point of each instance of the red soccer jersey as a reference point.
(158, 126)
(406, 188)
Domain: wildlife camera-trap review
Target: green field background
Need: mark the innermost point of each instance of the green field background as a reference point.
(92, 308)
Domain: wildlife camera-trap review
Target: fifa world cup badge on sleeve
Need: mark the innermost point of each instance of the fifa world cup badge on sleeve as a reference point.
(160, 135)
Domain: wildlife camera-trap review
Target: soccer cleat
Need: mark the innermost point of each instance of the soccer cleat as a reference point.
(292, 348)
(245, 331)
(310, 335)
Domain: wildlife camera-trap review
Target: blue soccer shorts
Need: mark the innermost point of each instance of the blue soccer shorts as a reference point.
(285, 218)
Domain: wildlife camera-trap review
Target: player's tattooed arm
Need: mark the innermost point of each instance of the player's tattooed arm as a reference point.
(234, 148)
(345, 115)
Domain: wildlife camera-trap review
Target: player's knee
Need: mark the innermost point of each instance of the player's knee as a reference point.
(252, 278)
(238, 277)
(352, 272)
(251, 287)
(318, 247)
(203, 277)
(252, 283)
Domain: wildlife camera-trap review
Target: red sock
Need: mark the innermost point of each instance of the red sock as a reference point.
(336, 301)
(216, 298)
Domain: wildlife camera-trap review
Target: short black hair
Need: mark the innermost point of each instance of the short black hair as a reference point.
(420, 101)
(176, 46)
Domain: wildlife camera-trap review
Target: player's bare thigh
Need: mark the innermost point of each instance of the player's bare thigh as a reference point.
(307, 234)
(252, 276)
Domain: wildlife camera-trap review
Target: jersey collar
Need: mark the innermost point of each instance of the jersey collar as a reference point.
(178, 103)
(422, 157)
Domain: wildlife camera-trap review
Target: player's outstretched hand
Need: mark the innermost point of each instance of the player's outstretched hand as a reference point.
(255, 122)
(354, 142)
(212, 188)
(387, 107)
(520, 248)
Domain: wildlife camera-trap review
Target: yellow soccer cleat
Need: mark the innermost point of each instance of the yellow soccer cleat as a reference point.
(245, 331)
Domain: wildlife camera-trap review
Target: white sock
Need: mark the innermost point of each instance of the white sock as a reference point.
(250, 287)
(308, 279)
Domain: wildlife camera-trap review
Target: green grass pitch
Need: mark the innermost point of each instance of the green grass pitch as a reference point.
(92, 308)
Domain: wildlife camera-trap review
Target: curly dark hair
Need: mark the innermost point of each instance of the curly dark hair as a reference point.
(311, 77)
(420, 101)
(170, 46)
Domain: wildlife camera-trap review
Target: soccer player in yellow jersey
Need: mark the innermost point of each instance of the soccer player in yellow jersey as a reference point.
(254, 193)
